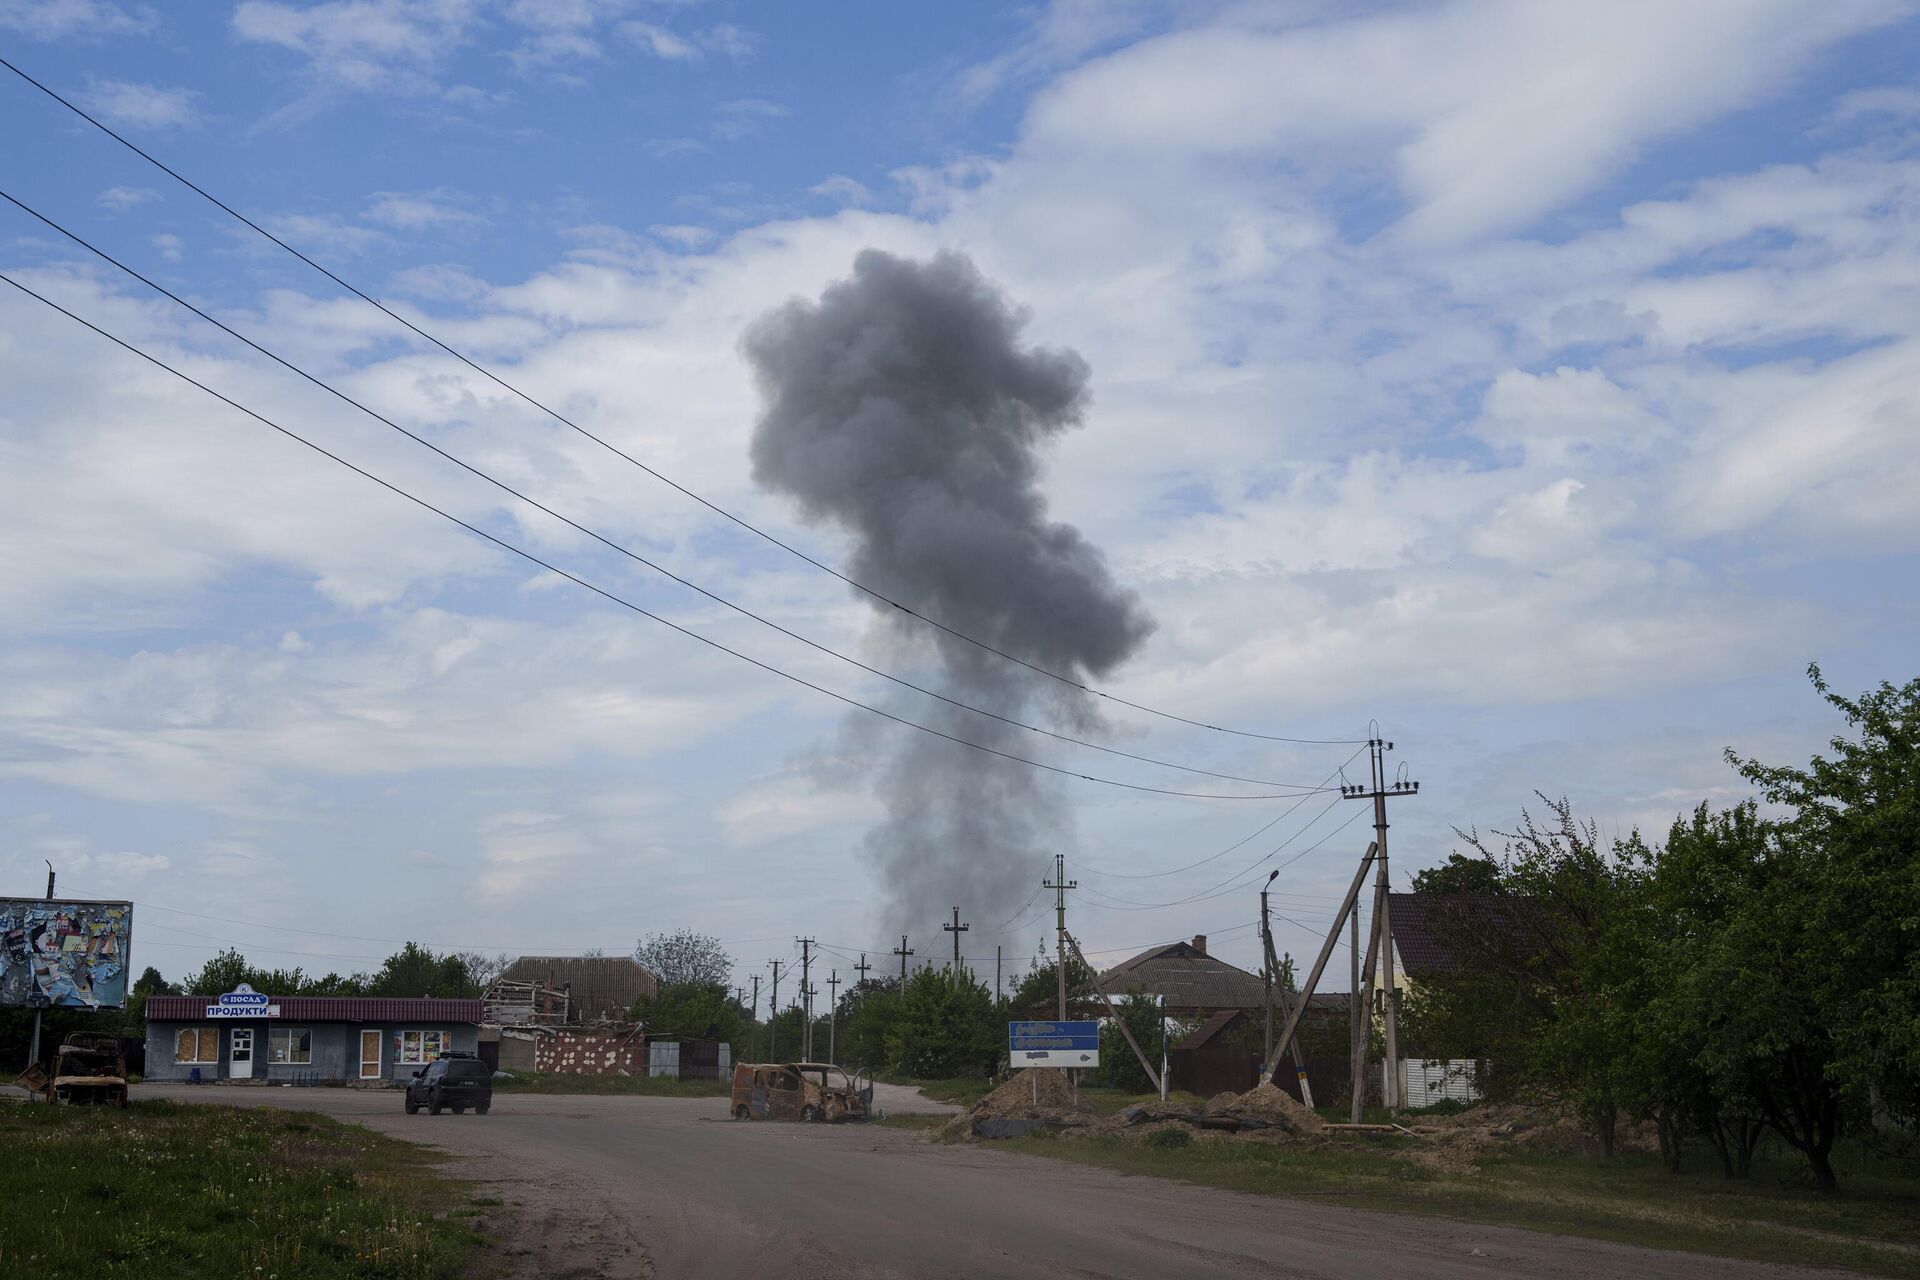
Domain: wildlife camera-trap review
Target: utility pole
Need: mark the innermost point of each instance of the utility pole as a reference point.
(833, 1009)
(806, 998)
(753, 1014)
(1347, 904)
(903, 951)
(956, 929)
(1060, 884)
(1356, 1028)
(33, 1055)
(1379, 792)
(1266, 969)
(773, 1013)
(1271, 965)
(996, 975)
(862, 969)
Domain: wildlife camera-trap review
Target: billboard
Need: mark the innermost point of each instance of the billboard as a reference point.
(64, 955)
(1053, 1044)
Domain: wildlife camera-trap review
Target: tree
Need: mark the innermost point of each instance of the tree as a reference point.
(222, 974)
(1037, 994)
(867, 1013)
(415, 970)
(684, 956)
(484, 969)
(705, 1010)
(946, 1027)
(1460, 874)
(1119, 1069)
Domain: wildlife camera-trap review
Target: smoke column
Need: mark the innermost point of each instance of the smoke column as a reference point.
(903, 408)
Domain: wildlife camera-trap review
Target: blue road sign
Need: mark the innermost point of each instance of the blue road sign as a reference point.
(1053, 1044)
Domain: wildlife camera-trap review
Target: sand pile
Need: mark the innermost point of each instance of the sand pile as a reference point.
(1457, 1142)
(1015, 1100)
(1270, 1104)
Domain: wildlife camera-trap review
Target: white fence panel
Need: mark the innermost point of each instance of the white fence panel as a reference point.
(663, 1059)
(1430, 1080)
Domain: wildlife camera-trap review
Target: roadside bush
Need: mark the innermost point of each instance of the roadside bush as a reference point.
(1169, 1139)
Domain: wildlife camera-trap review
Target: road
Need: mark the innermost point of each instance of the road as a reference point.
(618, 1187)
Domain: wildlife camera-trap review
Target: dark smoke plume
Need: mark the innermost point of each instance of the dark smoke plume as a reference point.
(903, 408)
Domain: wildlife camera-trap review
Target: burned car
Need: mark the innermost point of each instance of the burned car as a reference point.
(809, 1091)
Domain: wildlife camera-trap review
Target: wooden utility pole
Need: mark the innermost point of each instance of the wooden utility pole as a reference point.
(33, 1054)
(1378, 791)
(1319, 965)
(833, 1008)
(806, 999)
(903, 951)
(956, 929)
(1274, 983)
(1060, 884)
(773, 1012)
(1356, 1027)
(996, 975)
(753, 1014)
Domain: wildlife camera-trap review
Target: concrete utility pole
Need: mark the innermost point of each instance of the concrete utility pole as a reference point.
(833, 1008)
(753, 1013)
(1266, 969)
(1060, 884)
(1378, 792)
(773, 1013)
(956, 929)
(1356, 1028)
(807, 998)
(903, 951)
(33, 1054)
(1347, 904)
(996, 975)
(862, 969)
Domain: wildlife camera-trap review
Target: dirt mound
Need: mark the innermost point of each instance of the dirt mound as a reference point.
(1269, 1103)
(1033, 1094)
(1456, 1143)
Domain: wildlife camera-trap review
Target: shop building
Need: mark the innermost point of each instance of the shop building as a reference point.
(269, 1039)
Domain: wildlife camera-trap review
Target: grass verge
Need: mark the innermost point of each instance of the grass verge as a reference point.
(1874, 1226)
(649, 1086)
(165, 1190)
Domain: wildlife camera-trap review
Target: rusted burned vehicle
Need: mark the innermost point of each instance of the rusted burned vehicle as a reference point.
(808, 1091)
(89, 1067)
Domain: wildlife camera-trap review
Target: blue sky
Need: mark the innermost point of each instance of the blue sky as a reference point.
(1539, 382)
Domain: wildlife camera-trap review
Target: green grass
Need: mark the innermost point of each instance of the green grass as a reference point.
(962, 1091)
(165, 1190)
(650, 1086)
(913, 1120)
(1872, 1226)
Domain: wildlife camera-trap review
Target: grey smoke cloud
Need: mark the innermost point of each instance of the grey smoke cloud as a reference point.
(903, 408)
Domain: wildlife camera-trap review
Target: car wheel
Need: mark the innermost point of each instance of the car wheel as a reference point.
(413, 1108)
(809, 1113)
(482, 1108)
(433, 1107)
(741, 1113)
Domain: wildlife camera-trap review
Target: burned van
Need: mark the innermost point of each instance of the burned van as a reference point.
(806, 1091)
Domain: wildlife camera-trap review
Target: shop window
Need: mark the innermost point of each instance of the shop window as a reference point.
(197, 1044)
(417, 1047)
(290, 1045)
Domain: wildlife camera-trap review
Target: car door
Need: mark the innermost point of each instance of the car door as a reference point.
(784, 1096)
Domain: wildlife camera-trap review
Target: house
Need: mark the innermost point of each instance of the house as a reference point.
(1192, 983)
(273, 1039)
(597, 988)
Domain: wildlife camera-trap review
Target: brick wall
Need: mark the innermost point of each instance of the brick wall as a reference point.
(587, 1054)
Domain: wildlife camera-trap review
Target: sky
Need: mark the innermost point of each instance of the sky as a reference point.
(1532, 384)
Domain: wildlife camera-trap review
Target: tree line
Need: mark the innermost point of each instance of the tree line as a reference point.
(1755, 973)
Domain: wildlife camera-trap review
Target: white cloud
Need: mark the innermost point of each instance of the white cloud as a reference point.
(842, 190)
(170, 246)
(68, 19)
(143, 106)
(742, 116)
(1488, 113)
(420, 210)
(121, 199)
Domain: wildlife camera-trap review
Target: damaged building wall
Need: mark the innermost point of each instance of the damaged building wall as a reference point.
(591, 1053)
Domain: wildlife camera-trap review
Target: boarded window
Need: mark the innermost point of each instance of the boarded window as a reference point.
(197, 1044)
(293, 1045)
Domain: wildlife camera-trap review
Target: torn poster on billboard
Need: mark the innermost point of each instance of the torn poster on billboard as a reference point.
(64, 955)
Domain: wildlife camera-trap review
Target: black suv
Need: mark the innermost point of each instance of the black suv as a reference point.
(455, 1081)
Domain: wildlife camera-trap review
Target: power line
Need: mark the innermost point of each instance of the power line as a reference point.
(1156, 875)
(1230, 884)
(635, 556)
(495, 378)
(550, 567)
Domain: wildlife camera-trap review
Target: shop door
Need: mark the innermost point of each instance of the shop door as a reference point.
(369, 1055)
(240, 1053)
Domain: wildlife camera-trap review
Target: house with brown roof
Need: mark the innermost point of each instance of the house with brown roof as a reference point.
(597, 988)
(1192, 983)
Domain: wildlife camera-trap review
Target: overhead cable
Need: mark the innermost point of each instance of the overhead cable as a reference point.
(623, 602)
(712, 506)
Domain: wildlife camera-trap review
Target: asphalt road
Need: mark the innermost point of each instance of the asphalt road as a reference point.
(642, 1187)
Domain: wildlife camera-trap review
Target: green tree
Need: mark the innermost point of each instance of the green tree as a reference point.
(684, 956)
(867, 1014)
(1461, 874)
(415, 970)
(227, 970)
(946, 1027)
(1119, 1069)
(701, 1009)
